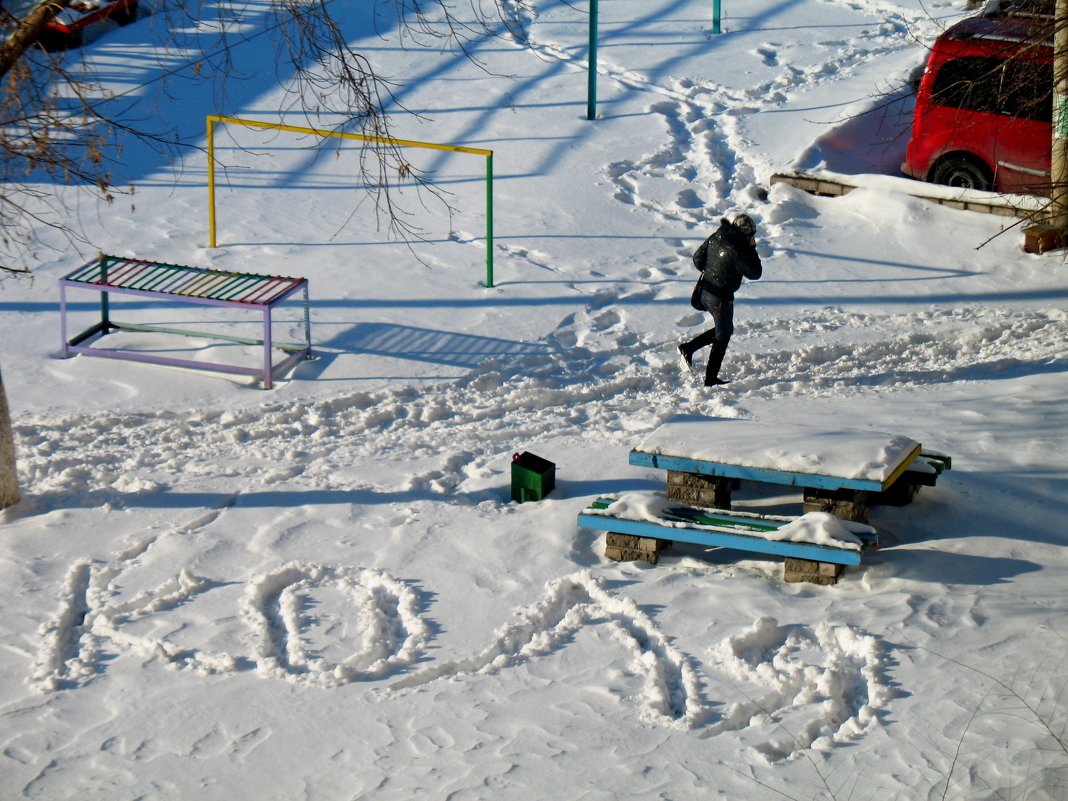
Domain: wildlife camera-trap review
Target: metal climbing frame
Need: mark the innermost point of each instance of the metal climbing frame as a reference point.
(150, 279)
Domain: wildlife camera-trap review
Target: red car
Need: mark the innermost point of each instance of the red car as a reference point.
(984, 106)
(68, 28)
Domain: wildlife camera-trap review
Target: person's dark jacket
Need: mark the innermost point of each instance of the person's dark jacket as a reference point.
(724, 259)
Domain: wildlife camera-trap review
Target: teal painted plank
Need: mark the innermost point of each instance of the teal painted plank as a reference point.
(721, 539)
(762, 474)
(87, 273)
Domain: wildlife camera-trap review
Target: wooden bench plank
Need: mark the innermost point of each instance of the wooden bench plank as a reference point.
(924, 471)
(940, 461)
(114, 273)
(763, 474)
(720, 528)
(107, 274)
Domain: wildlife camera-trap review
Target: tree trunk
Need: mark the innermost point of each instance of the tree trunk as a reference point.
(1059, 152)
(30, 27)
(9, 483)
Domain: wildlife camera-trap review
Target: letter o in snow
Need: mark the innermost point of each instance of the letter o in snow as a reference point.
(392, 633)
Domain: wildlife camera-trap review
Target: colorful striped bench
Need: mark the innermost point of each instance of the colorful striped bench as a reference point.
(106, 274)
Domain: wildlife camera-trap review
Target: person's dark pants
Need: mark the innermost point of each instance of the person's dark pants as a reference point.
(718, 336)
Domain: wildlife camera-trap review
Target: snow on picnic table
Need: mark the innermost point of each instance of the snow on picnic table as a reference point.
(782, 445)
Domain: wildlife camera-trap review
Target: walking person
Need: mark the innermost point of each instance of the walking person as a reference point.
(726, 257)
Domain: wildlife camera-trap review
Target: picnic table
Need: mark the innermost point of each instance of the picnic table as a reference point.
(839, 471)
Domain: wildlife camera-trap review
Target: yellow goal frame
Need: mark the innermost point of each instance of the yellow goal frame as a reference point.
(214, 119)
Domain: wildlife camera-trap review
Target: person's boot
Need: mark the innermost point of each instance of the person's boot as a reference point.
(686, 355)
(688, 349)
(715, 361)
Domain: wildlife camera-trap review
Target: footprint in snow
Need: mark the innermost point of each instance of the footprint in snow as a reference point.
(769, 54)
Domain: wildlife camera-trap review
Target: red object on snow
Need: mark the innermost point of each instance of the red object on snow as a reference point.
(67, 29)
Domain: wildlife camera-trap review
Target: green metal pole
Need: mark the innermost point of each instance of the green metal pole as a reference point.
(211, 182)
(489, 220)
(591, 90)
(105, 311)
(715, 16)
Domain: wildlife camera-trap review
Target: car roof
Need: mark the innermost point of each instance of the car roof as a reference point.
(1003, 27)
(1041, 8)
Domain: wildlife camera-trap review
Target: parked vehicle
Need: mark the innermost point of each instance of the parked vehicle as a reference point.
(984, 105)
(69, 28)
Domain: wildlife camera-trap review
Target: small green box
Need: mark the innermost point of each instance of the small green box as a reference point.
(532, 477)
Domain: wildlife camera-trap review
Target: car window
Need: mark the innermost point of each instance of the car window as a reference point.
(1017, 88)
(1028, 90)
(972, 83)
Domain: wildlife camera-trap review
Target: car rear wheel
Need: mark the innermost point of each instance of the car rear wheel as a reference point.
(962, 172)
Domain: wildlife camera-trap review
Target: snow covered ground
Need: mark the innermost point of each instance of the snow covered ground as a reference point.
(324, 590)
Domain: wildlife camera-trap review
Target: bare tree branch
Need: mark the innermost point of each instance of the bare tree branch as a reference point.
(61, 126)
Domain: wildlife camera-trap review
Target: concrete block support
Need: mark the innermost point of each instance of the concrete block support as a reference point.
(696, 490)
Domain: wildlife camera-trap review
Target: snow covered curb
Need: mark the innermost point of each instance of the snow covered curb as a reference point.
(973, 199)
